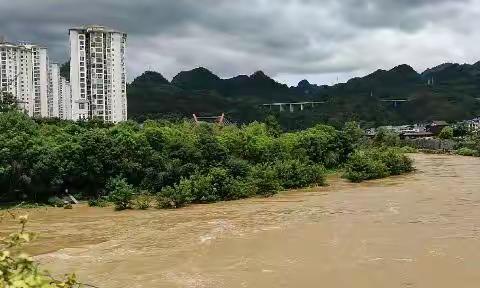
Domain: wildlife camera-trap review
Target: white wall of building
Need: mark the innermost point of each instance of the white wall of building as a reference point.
(16, 74)
(26, 82)
(54, 96)
(119, 95)
(43, 67)
(66, 100)
(98, 58)
(40, 79)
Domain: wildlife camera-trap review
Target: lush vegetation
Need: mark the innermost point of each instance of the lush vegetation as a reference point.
(178, 163)
(447, 92)
(469, 145)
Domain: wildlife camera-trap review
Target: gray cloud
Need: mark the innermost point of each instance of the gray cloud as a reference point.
(289, 39)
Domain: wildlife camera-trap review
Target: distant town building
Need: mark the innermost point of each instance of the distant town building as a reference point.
(404, 131)
(472, 125)
(98, 73)
(435, 127)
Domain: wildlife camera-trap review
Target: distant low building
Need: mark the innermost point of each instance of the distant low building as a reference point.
(472, 125)
(435, 127)
(416, 135)
(413, 131)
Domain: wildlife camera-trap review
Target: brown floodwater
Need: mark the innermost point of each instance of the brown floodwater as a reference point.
(418, 230)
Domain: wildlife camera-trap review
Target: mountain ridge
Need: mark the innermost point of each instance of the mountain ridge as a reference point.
(448, 91)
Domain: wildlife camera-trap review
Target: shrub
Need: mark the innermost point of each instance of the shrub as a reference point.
(362, 166)
(466, 152)
(142, 201)
(264, 178)
(237, 167)
(176, 196)
(223, 184)
(321, 144)
(408, 149)
(55, 201)
(298, 174)
(396, 162)
(446, 133)
(387, 138)
(120, 193)
(219, 185)
(202, 189)
(98, 202)
(376, 163)
(240, 189)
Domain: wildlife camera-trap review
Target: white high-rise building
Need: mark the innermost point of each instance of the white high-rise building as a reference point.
(40, 67)
(66, 100)
(59, 97)
(37, 86)
(16, 74)
(54, 93)
(98, 73)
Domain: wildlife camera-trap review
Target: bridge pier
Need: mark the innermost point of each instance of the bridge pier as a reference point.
(291, 106)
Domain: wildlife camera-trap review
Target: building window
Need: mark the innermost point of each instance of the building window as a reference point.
(81, 106)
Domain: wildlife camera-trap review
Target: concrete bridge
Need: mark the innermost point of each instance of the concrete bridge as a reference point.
(395, 102)
(291, 105)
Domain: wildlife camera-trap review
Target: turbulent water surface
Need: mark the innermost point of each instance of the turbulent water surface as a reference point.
(419, 230)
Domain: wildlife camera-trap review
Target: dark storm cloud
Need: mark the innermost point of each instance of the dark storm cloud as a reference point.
(407, 15)
(286, 38)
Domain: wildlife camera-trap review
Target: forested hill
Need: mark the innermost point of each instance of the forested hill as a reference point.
(446, 92)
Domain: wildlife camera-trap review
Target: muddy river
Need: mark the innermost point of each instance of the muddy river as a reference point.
(419, 230)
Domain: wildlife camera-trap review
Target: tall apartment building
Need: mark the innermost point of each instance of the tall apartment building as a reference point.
(66, 100)
(98, 73)
(59, 96)
(16, 74)
(40, 66)
(55, 91)
(36, 84)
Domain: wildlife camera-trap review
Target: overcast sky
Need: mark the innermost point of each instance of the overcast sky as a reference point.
(291, 40)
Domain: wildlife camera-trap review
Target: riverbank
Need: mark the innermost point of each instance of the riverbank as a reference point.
(416, 230)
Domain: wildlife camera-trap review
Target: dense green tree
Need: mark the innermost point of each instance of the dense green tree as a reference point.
(273, 125)
(385, 137)
(181, 162)
(446, 133)
(7, 101)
